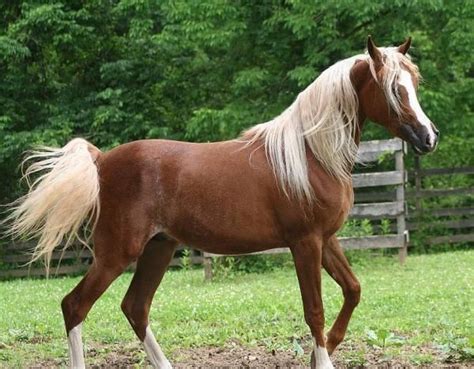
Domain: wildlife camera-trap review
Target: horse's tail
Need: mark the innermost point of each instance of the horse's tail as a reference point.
(63, 197)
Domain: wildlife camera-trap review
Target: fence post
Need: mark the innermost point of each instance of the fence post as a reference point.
(401, 223)
(418, 187)
(207, 267)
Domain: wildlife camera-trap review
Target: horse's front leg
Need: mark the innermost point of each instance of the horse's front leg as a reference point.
(307, 255)
(337, 266)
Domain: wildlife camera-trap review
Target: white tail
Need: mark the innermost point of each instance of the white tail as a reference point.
(60, 200)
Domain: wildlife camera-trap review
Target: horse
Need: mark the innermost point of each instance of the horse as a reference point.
(282, 183)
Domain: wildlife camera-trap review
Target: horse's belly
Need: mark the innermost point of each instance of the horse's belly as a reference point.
(233, 247)
(216, 233)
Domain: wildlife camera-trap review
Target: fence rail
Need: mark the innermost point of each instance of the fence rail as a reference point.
(76, 259)
(440, 218)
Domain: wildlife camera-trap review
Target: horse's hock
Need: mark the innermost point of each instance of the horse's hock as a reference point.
(379, 199)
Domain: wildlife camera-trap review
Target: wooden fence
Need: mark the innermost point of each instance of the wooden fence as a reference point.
(444, 214)
(75, 260)
(366, 207)
(449, 222)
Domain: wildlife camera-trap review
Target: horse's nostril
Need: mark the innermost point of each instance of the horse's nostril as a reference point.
(428, 141)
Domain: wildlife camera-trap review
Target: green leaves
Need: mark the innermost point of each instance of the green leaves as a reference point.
(11, 49)
(457, 348)
(302, 75)
(297, 349)
(383, 338)
(214, 125)
(250, 81)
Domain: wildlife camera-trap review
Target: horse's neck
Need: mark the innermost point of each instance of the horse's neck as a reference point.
(357, 139)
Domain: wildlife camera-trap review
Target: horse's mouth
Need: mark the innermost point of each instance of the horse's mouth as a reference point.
(417, 150)
(419, 147)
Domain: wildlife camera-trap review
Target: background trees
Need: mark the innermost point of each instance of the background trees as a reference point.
(115, 71)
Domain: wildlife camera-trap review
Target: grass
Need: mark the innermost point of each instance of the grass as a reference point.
(426, 302)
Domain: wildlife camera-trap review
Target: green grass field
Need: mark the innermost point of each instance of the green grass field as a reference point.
(419, 313)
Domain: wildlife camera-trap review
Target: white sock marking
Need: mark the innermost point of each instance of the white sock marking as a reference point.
(76, 352)
(407, 82)
(321, 357)
(154, 352)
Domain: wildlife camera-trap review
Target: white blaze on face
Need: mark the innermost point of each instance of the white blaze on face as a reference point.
(407, 82)
(321, 357)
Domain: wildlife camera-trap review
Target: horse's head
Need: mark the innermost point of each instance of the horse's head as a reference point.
(386, 87)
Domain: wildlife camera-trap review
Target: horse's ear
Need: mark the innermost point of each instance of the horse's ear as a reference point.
(374, 53)
(403, 48)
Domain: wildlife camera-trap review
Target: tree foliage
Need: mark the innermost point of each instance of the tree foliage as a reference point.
(116, 71)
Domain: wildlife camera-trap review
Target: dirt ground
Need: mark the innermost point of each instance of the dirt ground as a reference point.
(239, 357)
(236, 356)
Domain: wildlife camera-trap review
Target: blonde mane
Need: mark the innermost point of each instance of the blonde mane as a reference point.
(324, 117)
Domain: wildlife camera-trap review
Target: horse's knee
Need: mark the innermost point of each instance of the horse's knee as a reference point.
(71, 312)
(126, 307)
(352, 293)
(315, 320)
(136, 314)
(129, 309)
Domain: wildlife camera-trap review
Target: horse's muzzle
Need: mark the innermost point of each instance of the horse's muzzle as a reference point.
(421, 140)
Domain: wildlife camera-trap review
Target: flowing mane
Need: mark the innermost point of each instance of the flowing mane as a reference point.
(324, 117)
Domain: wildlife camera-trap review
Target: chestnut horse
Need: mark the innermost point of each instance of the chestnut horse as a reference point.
(283, 183)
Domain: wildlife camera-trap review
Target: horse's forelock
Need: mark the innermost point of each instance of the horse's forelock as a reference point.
(394, 63)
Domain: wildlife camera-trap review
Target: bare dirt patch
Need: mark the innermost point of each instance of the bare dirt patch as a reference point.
(259, 357)
(234, 355)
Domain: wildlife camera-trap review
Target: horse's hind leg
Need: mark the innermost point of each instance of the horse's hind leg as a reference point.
(79, 301)
(336, 264)
(111, 259)
(151, 267)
